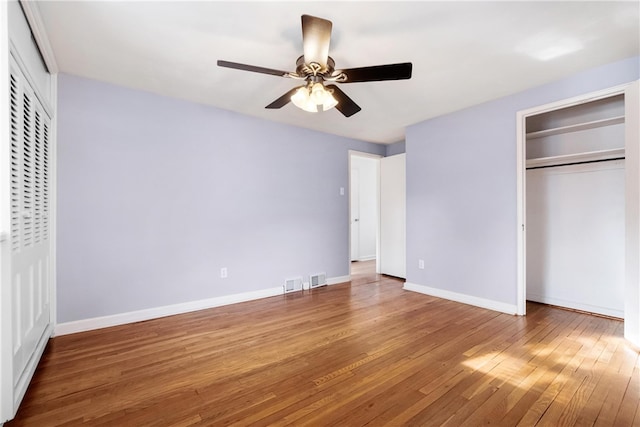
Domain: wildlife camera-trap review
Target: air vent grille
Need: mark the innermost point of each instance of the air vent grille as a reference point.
(317, 280)
(293, 285)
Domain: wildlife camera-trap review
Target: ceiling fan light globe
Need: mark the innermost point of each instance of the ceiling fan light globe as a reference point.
(302, 100)
(318, 93)
(314, 98)
(300, 96)
(322, 97)
(329, 101)
(311, 107)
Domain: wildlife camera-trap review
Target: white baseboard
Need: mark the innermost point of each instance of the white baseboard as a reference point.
(367, 258)
(462, 298)
(170, 310)
(339, 279)
(156, 312)
(576, 305)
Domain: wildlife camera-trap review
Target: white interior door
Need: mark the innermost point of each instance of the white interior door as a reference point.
(393, 191)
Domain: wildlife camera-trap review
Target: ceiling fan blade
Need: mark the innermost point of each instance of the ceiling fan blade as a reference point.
(345, 104)
(283, 100)
(316, 36)
(253, 68)
(378, 73)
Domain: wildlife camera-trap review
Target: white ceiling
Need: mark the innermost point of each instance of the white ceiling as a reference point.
(463, 53)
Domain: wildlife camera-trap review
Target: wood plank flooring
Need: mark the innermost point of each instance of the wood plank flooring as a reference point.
(359, 353)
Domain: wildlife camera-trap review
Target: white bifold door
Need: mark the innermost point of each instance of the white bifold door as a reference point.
(26, 249)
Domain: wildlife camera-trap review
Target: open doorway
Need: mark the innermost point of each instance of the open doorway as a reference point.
(364, 170)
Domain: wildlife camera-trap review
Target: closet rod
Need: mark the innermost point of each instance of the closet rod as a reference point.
(574, 163)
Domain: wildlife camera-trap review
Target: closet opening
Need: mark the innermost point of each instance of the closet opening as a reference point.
(578, 198)
(575, 209)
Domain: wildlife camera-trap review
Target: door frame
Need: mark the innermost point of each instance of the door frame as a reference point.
(377, 157)
(632, 166)
(6, 340)
(353, 205)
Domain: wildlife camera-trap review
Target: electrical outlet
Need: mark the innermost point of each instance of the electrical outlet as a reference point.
(224, 273)
(421, 264)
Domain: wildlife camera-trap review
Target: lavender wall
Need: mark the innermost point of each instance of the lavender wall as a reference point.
(461, 188)
(155, 195)
(395, 148)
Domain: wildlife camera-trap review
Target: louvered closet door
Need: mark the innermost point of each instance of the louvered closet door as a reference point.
(30, 245)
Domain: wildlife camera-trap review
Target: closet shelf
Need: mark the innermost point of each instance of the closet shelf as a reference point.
(577, 127)
(589, 156)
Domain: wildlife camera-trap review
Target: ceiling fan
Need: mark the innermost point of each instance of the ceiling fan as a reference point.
(316, 67)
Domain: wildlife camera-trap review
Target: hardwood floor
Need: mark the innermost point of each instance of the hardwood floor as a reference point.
(361, 269)
(360, 353)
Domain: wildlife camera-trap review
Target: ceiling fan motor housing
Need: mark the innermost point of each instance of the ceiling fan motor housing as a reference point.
(314, 69)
